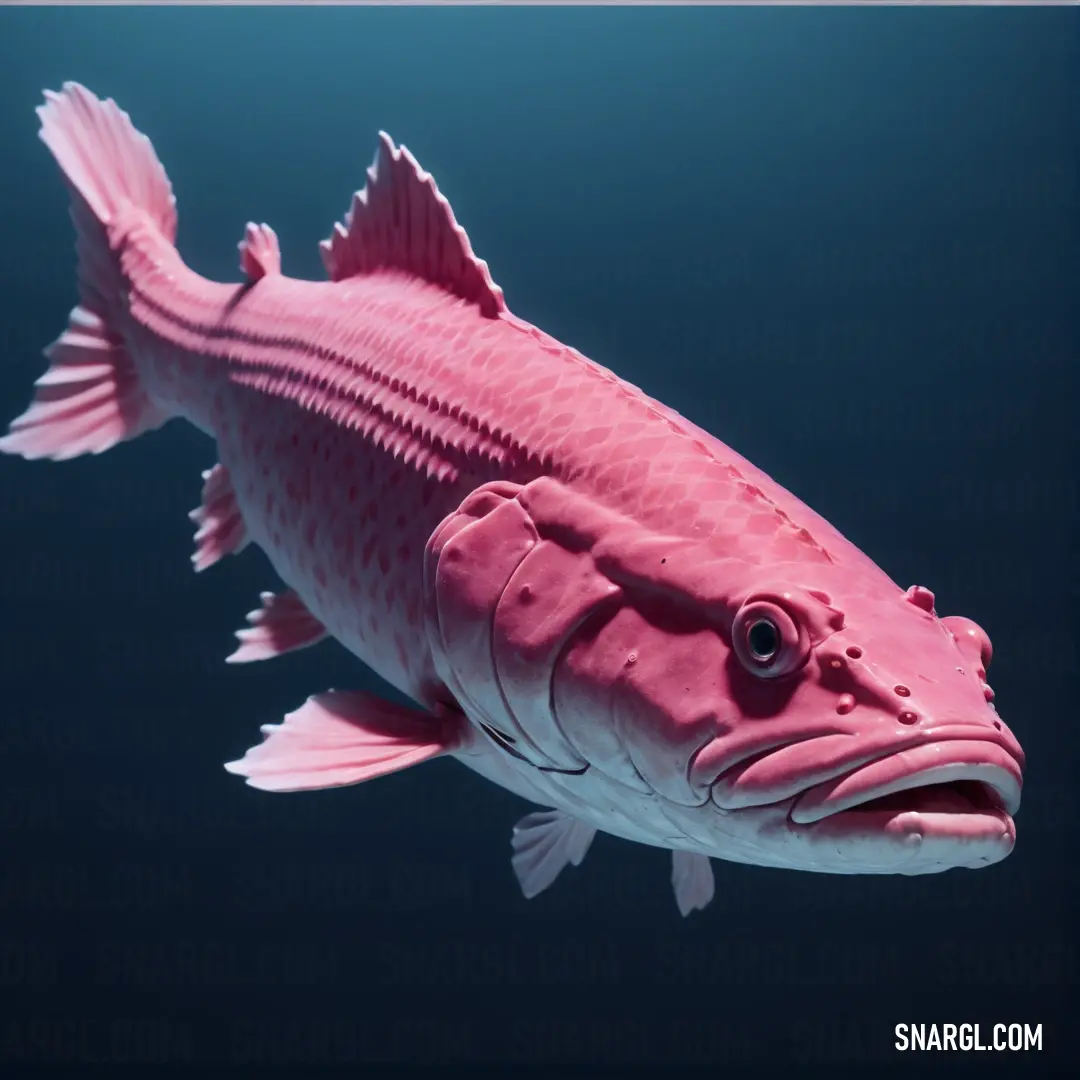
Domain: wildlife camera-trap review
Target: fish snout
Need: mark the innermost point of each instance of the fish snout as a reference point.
(923, 702)
(1004, 737)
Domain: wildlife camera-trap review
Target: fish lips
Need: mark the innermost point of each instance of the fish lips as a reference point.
(916, 809)
(954, 777)
(938, 805)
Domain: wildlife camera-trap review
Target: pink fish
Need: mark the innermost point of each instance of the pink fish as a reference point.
(593, 603)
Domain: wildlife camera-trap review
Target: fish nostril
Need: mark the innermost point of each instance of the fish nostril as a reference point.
(901, 691)
(854, 652)
(997, 724)
(907, 717)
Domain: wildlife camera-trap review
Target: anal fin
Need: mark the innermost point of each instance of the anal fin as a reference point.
(221, 529)
(340, 738)
(281, 625)
(544, 844)
(692, 879)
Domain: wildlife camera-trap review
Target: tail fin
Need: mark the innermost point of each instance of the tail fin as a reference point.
(90, 398)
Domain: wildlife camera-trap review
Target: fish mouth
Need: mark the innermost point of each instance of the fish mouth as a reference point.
(916, 811)
(961, 777)
(937, 800)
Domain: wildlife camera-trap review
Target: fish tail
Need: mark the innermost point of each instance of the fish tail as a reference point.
(90, 398)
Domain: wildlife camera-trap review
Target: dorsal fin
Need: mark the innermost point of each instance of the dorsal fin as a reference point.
(401, 221)
(259, 252)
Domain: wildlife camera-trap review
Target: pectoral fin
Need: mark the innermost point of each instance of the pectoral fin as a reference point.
(340, 738)
(544, 843)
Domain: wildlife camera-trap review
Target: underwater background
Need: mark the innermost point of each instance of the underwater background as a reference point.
(844, 241)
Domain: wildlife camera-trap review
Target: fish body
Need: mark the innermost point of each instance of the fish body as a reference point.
(593, 602)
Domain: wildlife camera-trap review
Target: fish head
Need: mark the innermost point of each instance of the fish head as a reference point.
(704, 694)
(840, 726)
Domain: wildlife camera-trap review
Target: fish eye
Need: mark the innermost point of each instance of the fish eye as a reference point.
(767, 640)
(764, 640)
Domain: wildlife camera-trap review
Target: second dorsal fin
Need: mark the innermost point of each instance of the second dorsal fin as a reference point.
(259, 252)
(401, 221)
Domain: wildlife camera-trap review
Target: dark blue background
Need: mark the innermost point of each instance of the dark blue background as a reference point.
(843, 240)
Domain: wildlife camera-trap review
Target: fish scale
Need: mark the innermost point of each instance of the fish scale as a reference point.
(391, 361)
(594, 603)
